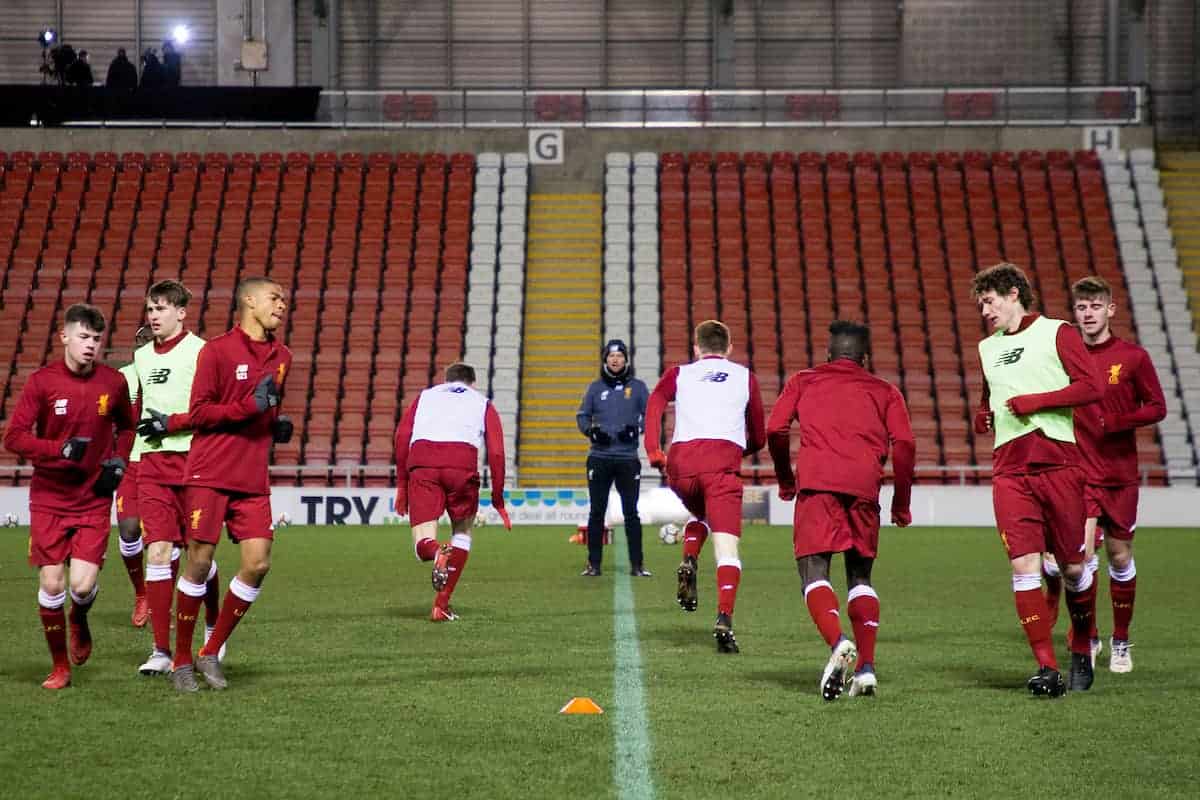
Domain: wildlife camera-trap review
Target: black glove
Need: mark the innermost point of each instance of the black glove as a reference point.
(154, 426)
(111, 472)
(266, 394)
(628, 434)
(598, 435)
(281, 429)
(74, 448)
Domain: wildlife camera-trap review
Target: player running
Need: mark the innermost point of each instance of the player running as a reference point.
(1106, 432)
(1036, 370)
(234, 412)
(437, 458)
(849, 421)
(129, 522)
(718, 421)
(165, 371)
(64, 422)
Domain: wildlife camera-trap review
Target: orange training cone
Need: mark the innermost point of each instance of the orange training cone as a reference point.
(581, 705)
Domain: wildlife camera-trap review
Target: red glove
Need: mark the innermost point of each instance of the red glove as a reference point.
(983, 421)
(498, 504)
(401, 500)
(1023, 405)
(901, 519)
(787, 491)
(658, 460)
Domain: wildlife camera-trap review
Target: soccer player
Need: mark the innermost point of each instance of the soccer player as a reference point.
(849, 421)
(1105, 431)
(1036, 370)
(64, 422)
(718, 421)
(437, 470)
(165, 371)
(129, 523)
(234, 417)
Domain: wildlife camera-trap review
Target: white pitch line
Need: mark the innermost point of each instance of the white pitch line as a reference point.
(631, 728)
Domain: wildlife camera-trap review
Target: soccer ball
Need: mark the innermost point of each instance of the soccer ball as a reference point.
(283, 521)
(10, 520)
(669, 533)
(480, 519)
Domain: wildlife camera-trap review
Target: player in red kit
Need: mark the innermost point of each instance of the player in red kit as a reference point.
(718, 421)
(1036, 372)
(74, 421)
(437, 457)
(1105, 432)
(234, 416)
(849, 421)
(129, 522)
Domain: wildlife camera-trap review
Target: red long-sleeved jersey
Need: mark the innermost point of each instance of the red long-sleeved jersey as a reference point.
(849, 421)
(55, 405)
(231, 447)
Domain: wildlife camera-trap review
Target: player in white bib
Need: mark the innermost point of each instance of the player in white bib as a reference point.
(718, 420)
(437, 470)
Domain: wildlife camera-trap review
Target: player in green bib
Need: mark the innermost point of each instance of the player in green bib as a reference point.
(129, 522)
(1036, 370)
(165, 369)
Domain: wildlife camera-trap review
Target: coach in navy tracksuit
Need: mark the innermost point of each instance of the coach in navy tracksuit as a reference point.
(611, 416)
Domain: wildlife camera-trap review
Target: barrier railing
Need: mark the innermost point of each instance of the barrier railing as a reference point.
(702, 108)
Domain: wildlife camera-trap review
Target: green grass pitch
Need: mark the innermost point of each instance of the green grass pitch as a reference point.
(340, 687)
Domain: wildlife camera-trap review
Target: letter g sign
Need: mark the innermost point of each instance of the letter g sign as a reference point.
(546, 146)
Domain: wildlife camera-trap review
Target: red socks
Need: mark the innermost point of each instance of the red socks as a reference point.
(54, 625)
(1053, 590)
(1081, 604)
(729, 575)
(1122, 587)
(427, 549)
(237, 602)
(863, 608)
(695, 534)
(133, 556)
(460, 551)
(1031, 611)
(823, 608)
(187, 607)
(160, 591)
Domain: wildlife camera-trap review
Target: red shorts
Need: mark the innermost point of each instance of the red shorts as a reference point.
(432, 490)
(163, 513)
(715, 497)
(246, 516)
(1115, 507)
(127, 494)
(830, 522)
(1041, 512)
(53, 538)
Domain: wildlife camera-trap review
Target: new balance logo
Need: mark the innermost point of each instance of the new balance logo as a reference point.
(715, 377)
(871, 623)
(159, 376)
(458, 389)
(1009, 357)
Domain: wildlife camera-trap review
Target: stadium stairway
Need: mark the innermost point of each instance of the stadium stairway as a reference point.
(1181, 185)
(562, 327)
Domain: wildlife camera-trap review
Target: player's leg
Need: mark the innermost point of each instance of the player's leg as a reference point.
(723, 501)
(52, 598)
(426, 502)
(249, 522)
(206, 510)
(133, 556)
(1021, 526)
(84, 586)
(600, 476)
(862, 603)
(695, 534)
(627, 475)
(1053, 586)
(1122, 571)
(823, 608)
(1061, 495)
(162, 531)
(461, 489)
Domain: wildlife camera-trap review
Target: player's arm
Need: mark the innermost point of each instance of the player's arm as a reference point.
(19, 435)
(756, 426)
(125, 423)
(778, 439)
(403, 436)
(205, 408)
(1152, 405)
(983, 415)
(583, 417)
(1086, 385)
(493, 436)
(663, 393)
(904, 458)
